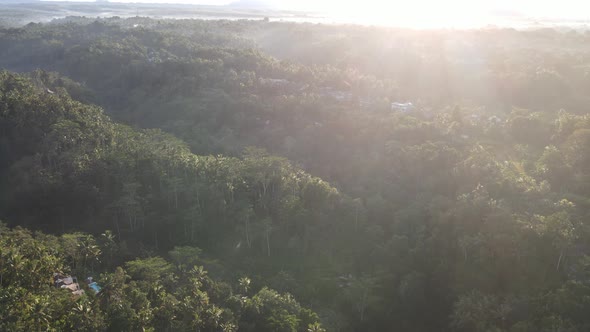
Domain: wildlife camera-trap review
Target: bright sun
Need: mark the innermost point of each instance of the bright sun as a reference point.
(415, 13)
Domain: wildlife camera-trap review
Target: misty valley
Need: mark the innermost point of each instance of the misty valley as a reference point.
(256, 175)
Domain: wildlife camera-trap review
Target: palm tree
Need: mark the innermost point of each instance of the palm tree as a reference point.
(315, 327)
(89, 251)
(109, 245)
(244, 283)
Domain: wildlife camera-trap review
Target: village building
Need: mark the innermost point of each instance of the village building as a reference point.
(402, 107)
(67, 282)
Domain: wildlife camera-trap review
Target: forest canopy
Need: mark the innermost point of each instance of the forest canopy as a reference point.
(269, 176)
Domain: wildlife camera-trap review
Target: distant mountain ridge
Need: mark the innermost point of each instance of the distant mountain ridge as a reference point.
(5, 2)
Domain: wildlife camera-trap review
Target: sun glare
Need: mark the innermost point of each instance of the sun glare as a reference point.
(413, 14)
(445, 14)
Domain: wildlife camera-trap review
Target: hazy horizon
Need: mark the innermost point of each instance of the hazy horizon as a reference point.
(566, 9)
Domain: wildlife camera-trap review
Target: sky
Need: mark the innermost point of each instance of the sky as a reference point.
(423, 9)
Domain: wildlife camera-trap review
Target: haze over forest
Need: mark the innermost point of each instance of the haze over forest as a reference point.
(304, 167)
